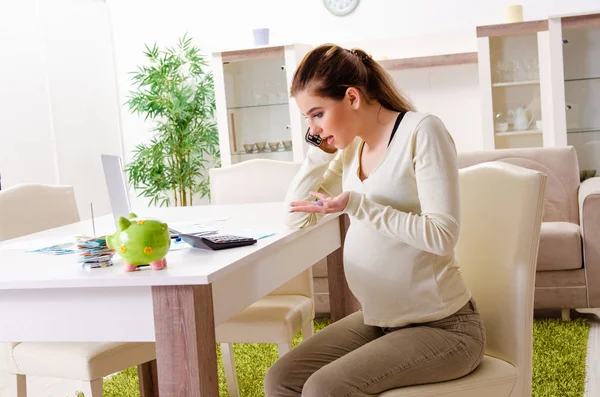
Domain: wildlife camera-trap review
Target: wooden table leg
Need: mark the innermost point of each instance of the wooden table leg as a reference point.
(148, 376)
(185, 341)
(341, 300)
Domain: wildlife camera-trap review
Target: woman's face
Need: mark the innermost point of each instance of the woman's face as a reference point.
(334, 120)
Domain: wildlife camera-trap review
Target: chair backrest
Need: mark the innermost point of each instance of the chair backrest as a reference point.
(561, 166)
(252, 181)
(7, 361)
(501, 207)
(31, 208)
(259, 181)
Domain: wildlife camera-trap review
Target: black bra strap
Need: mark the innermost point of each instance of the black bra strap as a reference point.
(398, 121)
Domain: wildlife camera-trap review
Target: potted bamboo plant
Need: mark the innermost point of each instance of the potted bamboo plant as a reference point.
(175, 90)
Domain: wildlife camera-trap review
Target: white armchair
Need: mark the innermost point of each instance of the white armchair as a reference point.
(26, 209)
(277, 317)
(497, 252)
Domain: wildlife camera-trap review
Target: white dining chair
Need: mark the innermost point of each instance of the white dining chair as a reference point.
(497, 250)
(30, 208)
(279, 316)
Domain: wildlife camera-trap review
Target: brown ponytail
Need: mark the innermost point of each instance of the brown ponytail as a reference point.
(329, 70)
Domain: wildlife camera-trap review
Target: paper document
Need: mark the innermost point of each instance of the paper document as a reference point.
(203, 225)
(247, 232)
(57, 243)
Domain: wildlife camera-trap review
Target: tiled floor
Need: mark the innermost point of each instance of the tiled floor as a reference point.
(50, 387)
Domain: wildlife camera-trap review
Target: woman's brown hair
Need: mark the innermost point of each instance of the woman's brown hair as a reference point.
(328, 71)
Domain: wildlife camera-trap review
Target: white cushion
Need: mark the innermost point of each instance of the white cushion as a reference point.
(273, 319)
(81, 361)
(492, 378)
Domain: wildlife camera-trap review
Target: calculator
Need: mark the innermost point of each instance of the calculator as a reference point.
(216, 241)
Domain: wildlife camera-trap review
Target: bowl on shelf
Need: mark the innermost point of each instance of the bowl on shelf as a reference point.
(287, 145)
(249, 147)
(501, 127)
(261, 146)
(274, 146)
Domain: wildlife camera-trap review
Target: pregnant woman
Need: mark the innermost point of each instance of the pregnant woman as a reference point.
(394, 171)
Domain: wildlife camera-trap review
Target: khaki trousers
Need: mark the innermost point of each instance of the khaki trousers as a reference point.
(349, 358)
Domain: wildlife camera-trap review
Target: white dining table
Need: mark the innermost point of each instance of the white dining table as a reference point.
(46, 298)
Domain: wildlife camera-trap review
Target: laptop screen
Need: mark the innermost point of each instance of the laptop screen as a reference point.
(116, 186)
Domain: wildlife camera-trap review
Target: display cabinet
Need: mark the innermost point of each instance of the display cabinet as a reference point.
(514, 82)
(256, 117)
(577, 63)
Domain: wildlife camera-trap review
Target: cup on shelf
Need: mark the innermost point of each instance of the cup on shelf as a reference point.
(502, 72)
(500, 122)
(501, 126)
(517, 71)
(261, 146)
(538, 124)
(249, 147)
(274, 146)
(532, 69)
(287, 145)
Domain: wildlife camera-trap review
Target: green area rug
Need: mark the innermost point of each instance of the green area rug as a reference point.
(559, 351)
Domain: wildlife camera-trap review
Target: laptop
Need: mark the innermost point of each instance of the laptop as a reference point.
(116, 186)
(117, 189)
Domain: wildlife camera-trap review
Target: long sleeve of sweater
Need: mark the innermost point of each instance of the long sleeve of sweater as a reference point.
(320, 172)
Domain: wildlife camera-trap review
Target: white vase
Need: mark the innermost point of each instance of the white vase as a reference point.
(513, 13)
(261, 36)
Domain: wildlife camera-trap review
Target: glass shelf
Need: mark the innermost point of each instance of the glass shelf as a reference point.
(264, 105)
(256, 153)
(263, 153)
(522, 132)
(516, 83)
(582, 130)
(582, 79)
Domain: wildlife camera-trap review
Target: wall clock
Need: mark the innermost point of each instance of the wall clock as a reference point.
(340, 7)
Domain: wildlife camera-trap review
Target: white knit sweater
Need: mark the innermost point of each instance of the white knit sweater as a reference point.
(399, 249)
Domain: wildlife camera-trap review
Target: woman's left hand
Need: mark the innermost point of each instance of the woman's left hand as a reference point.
(325, 205)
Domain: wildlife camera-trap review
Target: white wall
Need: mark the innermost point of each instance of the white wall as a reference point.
(26, 134)
(452, 94)
(434, 26)
(58, 96)
(217, 24)
(59, 106)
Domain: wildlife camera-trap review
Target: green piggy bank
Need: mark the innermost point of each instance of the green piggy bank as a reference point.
(140, 242)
